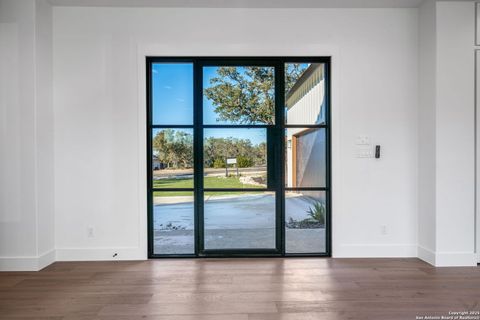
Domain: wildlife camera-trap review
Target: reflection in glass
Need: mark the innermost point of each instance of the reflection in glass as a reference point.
(172, 158)
(173, 222)
(239, 220)
(305, 221)
(235, 158)
(305, 101)
(238, 95)
(172, 93)
(305, 157)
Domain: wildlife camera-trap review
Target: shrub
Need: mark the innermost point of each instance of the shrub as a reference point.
(219, 163)
(244, 162)
(317, 212)
(316, 219)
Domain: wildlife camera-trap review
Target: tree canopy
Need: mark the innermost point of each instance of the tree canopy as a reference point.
(174, 148)
(246, 95)
(216, 150)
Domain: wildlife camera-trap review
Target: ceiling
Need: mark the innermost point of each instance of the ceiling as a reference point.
(243, 3)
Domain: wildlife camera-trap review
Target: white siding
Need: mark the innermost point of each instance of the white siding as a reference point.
(309, 108)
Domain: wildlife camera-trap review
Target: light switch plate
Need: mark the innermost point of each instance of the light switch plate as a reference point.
(365, 153)
(363, 140)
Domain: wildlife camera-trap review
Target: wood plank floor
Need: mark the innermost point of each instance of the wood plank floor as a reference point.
(239, 289)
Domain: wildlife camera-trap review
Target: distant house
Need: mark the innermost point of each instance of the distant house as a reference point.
(305, 104)
(156, 163)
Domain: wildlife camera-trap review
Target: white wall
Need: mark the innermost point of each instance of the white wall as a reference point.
(87, 169)
(18, 220)
(26, 138)
(455, 132)
(477, 24)
(477, 108)
(44, 128)
(427, 132)
(447, 134)
(99, 114)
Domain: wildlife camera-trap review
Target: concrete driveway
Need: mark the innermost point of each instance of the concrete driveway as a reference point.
(236, 221)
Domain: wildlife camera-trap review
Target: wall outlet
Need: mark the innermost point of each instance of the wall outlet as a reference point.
(383, 230)
(91, 232)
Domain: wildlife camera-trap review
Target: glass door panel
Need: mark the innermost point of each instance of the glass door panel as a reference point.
(235, 158)
(305, 221)
(172, 158)
(239, 201)
(172, 89)
(305, 158)
(173, 222)
(239, 220)
(238, 95)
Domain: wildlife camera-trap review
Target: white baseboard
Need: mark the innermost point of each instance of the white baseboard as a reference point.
(426, 255)
(19, 263)
(447, 259)
(100, 254)
(46, 259)
(31, 263)
(36, 263)
(375, 251)
(455, 259)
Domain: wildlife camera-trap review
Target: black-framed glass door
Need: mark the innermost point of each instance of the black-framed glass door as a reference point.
(237, 129)
(238, 156)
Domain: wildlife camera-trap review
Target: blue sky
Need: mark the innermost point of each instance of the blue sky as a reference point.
(209, 115)
(172, 93)
(173, 101)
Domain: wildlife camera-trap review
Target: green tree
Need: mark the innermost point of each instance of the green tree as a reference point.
(245, 95)
(182, 149)
(159, 144)
(222, 148)
(293, 71)
(174, 148)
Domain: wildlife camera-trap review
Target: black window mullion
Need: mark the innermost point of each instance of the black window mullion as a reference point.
(172, 189)
(238, 62)
(149, 158)
(238, 189)
(171, 126)
(235, 126)
(328, 226)
(280, 153)
(307, 188)
(198, 156)
(313, 126)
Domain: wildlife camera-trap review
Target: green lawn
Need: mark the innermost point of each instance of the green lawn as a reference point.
(210, 182)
